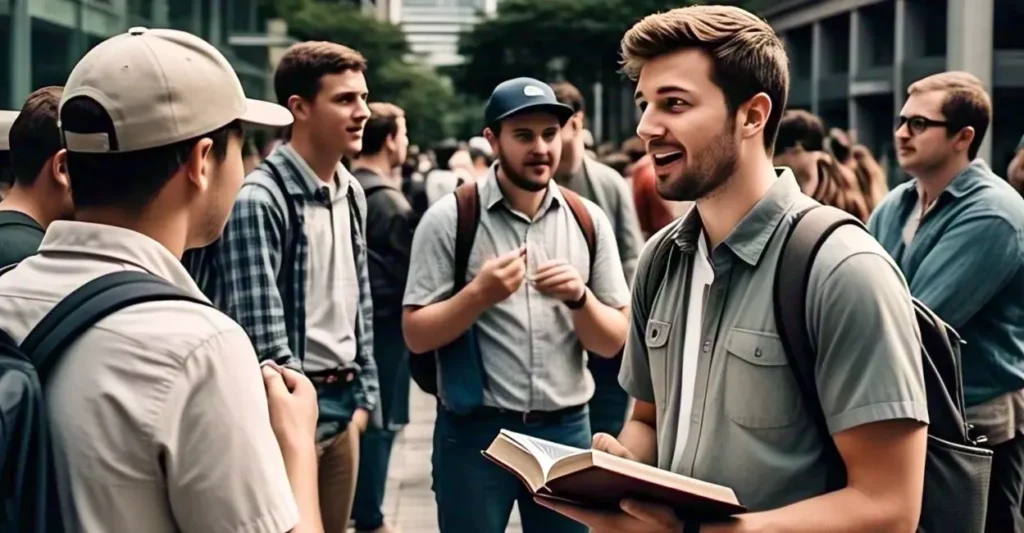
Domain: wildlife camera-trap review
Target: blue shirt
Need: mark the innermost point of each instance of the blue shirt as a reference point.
(964, 263)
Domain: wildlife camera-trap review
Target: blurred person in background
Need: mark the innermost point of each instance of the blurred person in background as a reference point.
(801, 147)
(390, 222)
(6, 177)
(42, 192)
(1015, 172)
(620, 162)
(441, 180)
(605, 187)
(871, 178)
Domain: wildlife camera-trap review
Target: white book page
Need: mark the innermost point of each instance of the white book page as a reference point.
(546, 452)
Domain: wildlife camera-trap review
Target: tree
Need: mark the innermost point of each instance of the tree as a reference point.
(528, 36)
(428, 98)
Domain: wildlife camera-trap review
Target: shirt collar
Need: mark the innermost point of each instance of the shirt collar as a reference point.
(491, 195)
(750, 237)
(961, 184)
(310, 181)
(118, 244)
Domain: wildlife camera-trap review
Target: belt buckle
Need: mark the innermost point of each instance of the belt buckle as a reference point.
(331, 378)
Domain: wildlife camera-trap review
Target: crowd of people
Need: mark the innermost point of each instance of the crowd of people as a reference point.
(250, 317)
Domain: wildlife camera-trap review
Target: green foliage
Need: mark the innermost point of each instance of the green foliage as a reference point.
(432, 108)
(526, 35)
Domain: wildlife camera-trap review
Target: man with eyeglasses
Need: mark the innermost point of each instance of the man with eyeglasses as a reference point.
(956, 231)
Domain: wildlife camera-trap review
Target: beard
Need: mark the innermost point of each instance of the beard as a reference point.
(706, 172)
(520, 180)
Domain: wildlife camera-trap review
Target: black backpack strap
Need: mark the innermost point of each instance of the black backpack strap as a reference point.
(288, 251)
(89, 304)
(809, 231)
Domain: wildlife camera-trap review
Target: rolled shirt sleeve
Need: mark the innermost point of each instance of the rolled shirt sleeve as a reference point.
(432, 263)
(607, 281)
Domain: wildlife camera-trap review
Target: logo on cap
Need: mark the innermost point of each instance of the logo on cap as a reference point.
(532, 90)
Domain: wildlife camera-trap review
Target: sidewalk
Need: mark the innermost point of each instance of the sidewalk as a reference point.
(409, 502)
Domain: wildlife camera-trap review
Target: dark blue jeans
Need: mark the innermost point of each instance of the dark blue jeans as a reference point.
(475, 495)
(374, 457)
(610, 403)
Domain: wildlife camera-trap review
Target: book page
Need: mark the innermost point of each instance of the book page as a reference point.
(546, 452)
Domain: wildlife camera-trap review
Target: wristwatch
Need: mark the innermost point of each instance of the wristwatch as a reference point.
(578, 304)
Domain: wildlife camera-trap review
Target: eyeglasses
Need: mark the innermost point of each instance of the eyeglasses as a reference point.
(918, 124)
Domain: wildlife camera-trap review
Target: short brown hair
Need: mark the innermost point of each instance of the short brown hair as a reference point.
(967, 103)
(303, 65)
(35, 136)
(748, 57)
(799, 127)
(383, 123)
(567, 93)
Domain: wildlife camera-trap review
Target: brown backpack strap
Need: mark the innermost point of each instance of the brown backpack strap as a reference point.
(583, 219)
(467, 198)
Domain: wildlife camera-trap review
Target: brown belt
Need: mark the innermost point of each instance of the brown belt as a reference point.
(334, 375)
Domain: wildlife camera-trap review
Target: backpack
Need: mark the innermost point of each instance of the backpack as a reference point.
(424, 367)
(203, 263)
(28, 487)
(957, 470)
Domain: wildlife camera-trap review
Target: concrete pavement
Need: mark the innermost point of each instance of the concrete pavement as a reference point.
(409, 502)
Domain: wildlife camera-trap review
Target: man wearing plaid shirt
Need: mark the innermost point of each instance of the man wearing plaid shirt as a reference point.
(291, 264)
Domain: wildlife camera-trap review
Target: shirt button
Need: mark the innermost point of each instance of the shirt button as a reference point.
(757, 352)
(707, 346)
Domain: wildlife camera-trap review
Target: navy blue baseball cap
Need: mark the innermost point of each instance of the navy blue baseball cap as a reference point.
(520, 95)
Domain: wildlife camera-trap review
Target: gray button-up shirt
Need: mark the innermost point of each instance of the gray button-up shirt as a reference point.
(748, 428)
(531, 354)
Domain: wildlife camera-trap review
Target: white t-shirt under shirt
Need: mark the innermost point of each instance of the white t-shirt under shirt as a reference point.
(703, 274)
(332, 284)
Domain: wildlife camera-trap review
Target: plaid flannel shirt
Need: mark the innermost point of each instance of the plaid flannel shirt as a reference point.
(242, 279)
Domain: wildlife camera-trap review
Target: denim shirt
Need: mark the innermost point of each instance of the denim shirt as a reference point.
(964, 263)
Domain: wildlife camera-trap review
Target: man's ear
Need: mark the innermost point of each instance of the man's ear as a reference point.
(964, 138)
(59, 169)
(753, 115)
(197, 166)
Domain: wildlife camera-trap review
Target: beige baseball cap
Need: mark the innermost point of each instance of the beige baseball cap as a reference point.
(7, 119)
(160, 87)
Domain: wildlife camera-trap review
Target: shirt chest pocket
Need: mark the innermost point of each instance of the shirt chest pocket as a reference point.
(760, 389)
(656, 338)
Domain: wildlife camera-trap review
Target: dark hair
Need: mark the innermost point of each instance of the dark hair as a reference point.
(567, 93)
(35, 136)
(383, 123)
(748, 57)
(476, 153)
(443, 151)
(967, 104)
(300, 69)
(128, 180)
(799, 127)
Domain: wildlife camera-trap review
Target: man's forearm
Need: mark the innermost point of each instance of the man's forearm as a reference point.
(641, 440)
(301, 466)
(431, 327)
(600, 328)
(844, 511)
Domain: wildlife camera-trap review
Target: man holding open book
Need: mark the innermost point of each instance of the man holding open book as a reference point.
(715, 397)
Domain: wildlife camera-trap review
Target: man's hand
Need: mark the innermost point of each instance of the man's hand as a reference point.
(609, 444)
(293, 408)
(501, 276)
(361, 419)
(559, 279)
(635, 517)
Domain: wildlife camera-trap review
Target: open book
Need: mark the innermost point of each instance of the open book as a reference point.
(592, 478)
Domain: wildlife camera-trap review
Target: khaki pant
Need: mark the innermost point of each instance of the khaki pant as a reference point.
(339, 468)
